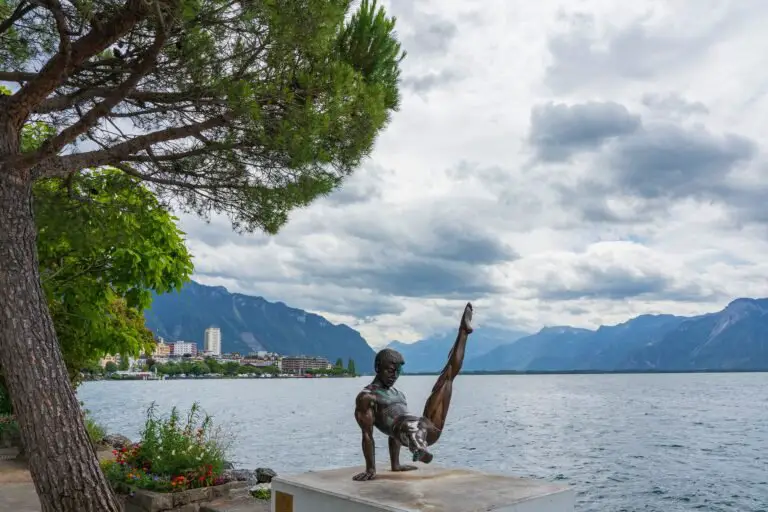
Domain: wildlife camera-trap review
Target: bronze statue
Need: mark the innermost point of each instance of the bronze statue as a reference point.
(379, 404)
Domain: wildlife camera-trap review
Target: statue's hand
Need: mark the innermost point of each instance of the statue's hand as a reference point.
(404, 467)
(365, 475)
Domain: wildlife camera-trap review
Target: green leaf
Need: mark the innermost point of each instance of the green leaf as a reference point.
(105, 244)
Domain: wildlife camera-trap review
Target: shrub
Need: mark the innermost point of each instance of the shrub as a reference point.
(262, 493)
(125, 479)
(5, 400)
(96, 431)
(171, 455)
(8, 425)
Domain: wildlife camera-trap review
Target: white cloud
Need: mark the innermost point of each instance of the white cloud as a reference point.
(457, 204)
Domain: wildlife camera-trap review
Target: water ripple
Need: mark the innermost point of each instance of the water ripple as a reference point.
(651, 443)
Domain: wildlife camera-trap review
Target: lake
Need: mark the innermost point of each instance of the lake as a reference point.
(665, 443)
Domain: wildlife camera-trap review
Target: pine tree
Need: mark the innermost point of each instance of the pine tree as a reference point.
(245, 108)
(351, 367)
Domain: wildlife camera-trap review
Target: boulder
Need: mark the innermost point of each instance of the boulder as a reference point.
(265, 475)
(239, 475)
(117, 441)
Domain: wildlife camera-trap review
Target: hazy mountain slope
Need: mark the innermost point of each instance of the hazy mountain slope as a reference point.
(732, 339)
(250, 323)
(430, 354)
(735, 338)
(552, 348)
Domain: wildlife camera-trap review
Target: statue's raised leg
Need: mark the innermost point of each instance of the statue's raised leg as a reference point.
(436, 408)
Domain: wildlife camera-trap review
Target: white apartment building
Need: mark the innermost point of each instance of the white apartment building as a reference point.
(180, 348)
(212, 341)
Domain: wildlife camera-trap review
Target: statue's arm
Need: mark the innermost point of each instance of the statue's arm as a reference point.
(365, 417)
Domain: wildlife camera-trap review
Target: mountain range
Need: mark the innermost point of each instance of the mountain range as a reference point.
(735, 338)
(250, 324)
(430, 354)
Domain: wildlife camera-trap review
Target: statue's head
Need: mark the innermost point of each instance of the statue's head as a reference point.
(388, 364)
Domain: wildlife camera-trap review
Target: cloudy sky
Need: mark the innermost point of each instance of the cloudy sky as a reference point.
(555, 162)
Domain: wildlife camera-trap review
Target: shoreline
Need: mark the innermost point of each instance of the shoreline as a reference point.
(434, 374)
(223, 377)
(587, 372)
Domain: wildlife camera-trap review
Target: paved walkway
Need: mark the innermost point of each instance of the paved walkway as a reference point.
(17, 492)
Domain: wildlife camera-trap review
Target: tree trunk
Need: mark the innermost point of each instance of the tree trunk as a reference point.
(62, 460)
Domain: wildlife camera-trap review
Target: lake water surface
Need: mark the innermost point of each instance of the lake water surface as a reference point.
(626, 442)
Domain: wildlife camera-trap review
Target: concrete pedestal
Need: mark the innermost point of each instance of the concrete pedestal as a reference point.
(428, 489)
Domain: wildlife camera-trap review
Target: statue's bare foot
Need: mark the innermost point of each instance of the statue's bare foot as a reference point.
(404, 467)
(466, 319)
(364, 476)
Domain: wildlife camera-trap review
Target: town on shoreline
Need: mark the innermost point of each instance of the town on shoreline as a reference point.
(183, 360)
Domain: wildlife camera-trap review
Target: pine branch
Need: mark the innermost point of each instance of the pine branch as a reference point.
(61, 103)
(61, 166)
(55, 71)
(54, 145)
(21, 10)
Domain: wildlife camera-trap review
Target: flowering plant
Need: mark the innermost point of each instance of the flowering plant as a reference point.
(171, 456)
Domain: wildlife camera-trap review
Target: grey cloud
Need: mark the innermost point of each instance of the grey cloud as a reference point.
(363, 186)
(617, 283)
(434, 38)
(667, 160)
(218, 231)
(447, 237)
(605, 285)
(354, 194)
(646, 163)
(426, 38)
(590, 199)
(427, 35)
(408, 277)
(673, 104)
(581, 58)
(424, 83)
(559, 130)
(313, 297)
(357, 305)
(411, 256)
(469, 245)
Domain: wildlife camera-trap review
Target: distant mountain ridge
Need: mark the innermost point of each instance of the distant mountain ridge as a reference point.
(735, 338)
(250, 324)
(431, 354)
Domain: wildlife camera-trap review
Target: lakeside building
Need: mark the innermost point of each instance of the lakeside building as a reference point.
(181, 348)
(107, 359)
(162, 349)
(264, 363)
(298, 364)
(212, 341)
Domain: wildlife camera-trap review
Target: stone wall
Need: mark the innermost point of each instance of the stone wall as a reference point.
(185, 501)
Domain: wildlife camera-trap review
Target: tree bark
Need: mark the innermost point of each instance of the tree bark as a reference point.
(62, 460)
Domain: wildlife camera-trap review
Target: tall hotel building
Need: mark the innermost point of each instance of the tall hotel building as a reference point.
(212, 341)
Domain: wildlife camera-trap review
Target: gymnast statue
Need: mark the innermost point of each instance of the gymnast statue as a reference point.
(379, 404)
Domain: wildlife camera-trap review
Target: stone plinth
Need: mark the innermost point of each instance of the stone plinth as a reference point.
(429, 489)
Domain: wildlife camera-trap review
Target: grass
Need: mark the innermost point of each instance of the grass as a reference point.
(262, 494)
